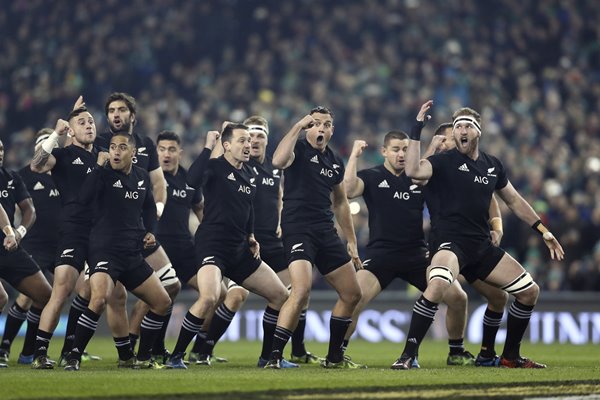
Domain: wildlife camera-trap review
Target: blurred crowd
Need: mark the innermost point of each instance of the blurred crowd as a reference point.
(532, 69)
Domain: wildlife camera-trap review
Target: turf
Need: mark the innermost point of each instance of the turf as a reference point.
(572, 370)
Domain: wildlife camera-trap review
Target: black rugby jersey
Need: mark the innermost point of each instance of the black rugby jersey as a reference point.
(463, 188)
(46, 200)
(124, 206)
(266, 213)
(73, 164)
(146, 156)
(228, 197)
(395, 207)
(174, 222)
(308, 185)
(12, 192)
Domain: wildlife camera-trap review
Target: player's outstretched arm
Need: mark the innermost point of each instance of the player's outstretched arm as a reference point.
(353, 184)
(525, 212)
(415, 167)
(283, 156)
(341, 210)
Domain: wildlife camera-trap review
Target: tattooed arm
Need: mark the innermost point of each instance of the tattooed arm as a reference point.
(43, 161)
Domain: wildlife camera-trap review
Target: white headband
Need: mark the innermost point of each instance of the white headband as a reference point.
(467, 118)
(258, 129)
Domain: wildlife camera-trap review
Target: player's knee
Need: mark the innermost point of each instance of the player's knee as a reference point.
(163, 304)
(497, 300)
(351, 296)
(173, 289)
(530, 295)
(298, 294)
(3, 299)
(98, 304)
(235, 298)
(455, 297)
(208, 300)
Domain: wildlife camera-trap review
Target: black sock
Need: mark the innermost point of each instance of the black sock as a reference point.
(219, 324)
(42, 342)
(269, 324)
(345, 344)
(85, 329)
(338, 326)
(123, 345)
(491, 324)
(298, 348)
(189, 328)
(518, 319)
(133, 338)
(457, 346)
(422, 317)
(199, 342)
(33, 322)
(78, 306)
(149, 330)
(280, 339)
(15, 318)
(159, 346)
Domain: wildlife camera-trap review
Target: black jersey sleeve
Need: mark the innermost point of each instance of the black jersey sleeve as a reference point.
(21, 192)
(149, 209)
(195, 175)
(363, 175)
(502, 177)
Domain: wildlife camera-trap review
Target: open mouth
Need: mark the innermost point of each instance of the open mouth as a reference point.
(320, 139)
(464, 140)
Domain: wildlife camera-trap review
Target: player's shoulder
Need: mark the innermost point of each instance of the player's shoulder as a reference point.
(140, 172)
(489, 158)
(372, 172)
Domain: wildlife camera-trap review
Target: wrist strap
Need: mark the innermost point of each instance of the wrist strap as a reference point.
(22, 231)
(8, 231)
(415, 131)
(539, 227)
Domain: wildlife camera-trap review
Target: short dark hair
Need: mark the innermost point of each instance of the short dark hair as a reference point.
(130, 138)
(128, 99)
(393, 135)
(227, 133)
(168, 135)
(442, 128)
(321, 110)
(76, 112)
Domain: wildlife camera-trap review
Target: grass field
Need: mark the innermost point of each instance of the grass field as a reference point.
(572, 370)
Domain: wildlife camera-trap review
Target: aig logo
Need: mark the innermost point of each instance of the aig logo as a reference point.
(244, 189)
(268, 181)
(4, 193)
(131, 194)
(326, 172)
(181, 193)
(402, 195)
(481, 179)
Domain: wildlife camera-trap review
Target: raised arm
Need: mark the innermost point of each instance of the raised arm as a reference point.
(525, 212)
(415, 167)
(43, 160)
(341, 210)
(353, 184)
(283, 156)
(196, 171)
